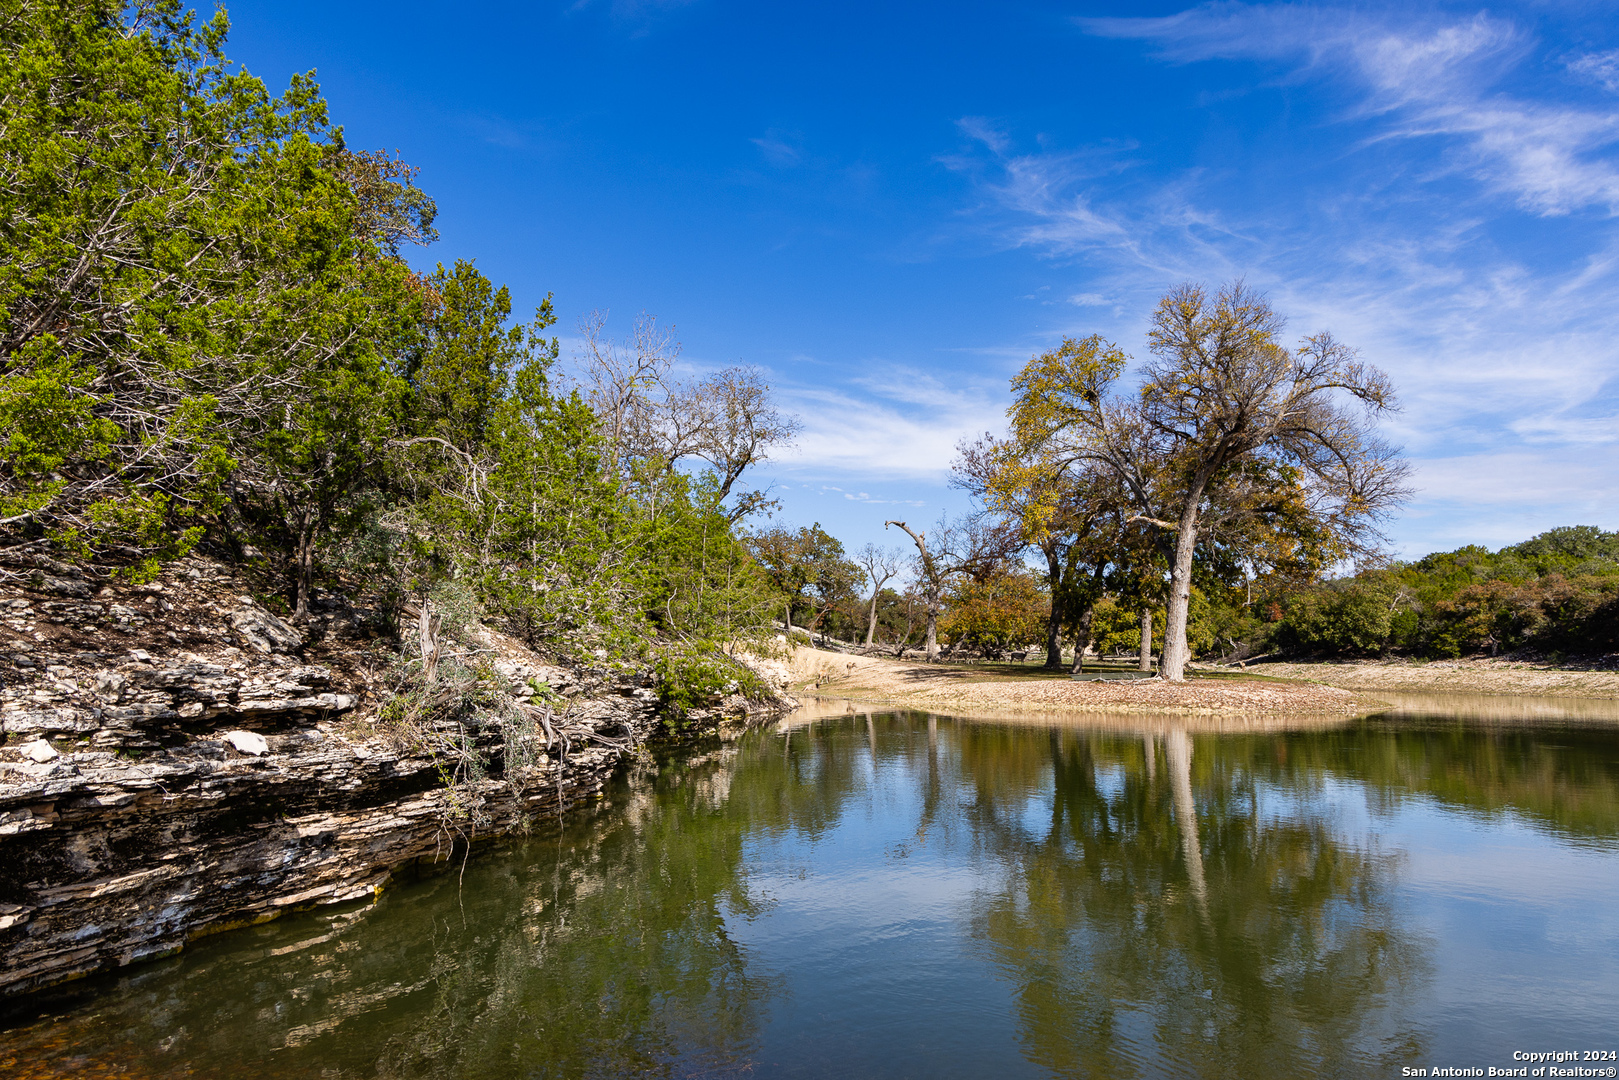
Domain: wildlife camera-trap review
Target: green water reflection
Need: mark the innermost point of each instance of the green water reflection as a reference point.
(898, 894)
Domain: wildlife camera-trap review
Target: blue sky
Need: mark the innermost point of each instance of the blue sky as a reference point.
(891, 207)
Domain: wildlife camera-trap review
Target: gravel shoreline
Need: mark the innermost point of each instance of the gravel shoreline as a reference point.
(941, 687)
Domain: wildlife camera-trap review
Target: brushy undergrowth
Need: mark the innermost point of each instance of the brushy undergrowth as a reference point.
(692, 677)
(466, 723)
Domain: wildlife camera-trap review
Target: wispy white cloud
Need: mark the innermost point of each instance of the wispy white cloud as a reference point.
(1600, 68)
(781, 149)
(979, 128)
(862, 497)
(1428, 77)
(867, 499)
(1506, 350)
(894, 424)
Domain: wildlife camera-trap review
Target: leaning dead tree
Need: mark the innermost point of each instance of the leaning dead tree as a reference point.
(969, 548)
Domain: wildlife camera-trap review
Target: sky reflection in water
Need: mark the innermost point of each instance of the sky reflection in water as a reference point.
(895, 894)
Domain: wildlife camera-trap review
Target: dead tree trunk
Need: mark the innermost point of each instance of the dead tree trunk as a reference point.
(427, 625)
(932, 582)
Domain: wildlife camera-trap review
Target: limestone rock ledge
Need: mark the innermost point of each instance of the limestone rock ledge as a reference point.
(106, 861)
(131, 822)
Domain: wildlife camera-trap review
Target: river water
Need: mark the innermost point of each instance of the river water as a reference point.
(893, 894)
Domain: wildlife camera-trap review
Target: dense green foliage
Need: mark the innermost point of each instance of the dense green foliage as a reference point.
(998, 611)
(208, 334)
(810, 573)
(1556, 593)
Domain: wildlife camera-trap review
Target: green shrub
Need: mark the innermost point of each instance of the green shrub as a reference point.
(696, 677)
(1350, 618)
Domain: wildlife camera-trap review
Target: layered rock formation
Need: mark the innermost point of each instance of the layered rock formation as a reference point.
(177, 760)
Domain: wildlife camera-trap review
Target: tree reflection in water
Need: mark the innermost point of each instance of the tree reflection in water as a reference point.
(1177, 927)
(1161, 898)
(605, 950)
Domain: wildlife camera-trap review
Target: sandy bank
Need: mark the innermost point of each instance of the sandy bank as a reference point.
(1453, 677)
(943, 688)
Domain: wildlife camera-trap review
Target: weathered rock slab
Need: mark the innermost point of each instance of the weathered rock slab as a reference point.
(177, 760)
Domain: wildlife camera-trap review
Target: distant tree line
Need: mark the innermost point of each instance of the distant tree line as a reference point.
(1212, 503)
(1555, 594)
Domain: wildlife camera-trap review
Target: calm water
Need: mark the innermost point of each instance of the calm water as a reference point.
(895, 894)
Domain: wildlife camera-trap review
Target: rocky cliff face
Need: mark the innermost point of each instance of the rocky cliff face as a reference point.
(177, 760)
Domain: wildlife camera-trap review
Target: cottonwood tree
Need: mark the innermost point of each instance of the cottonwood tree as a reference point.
(880, 565)
(1222, 406)
(727, 419)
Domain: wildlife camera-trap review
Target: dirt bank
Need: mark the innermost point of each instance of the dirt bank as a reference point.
(944, 687)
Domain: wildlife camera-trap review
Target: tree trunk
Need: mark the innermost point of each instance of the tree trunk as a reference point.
(1146, 639)
(1082, 640)
(1173, 665)
(789, 620)
(427, 625)
(305, 569)
(1054, 624)
(871, 619)
(933, 627)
